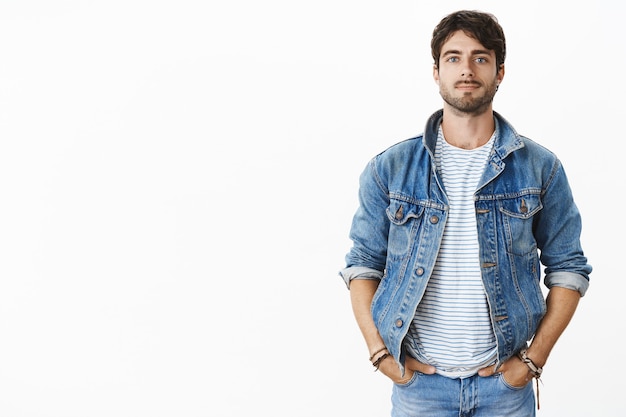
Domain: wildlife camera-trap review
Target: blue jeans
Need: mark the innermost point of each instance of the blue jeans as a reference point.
(475, 396)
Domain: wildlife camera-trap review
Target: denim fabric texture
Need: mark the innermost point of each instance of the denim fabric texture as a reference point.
(438, 396)
(526, 218)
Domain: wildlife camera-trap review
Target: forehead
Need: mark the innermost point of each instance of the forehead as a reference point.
(459, 41)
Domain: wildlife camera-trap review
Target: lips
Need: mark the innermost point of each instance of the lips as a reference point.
(462, 84)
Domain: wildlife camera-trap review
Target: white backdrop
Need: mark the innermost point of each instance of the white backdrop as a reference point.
(177, 180)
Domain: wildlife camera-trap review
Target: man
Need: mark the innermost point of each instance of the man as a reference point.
(448, 241)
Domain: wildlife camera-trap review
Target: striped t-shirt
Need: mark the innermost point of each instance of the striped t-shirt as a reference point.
(452, 329)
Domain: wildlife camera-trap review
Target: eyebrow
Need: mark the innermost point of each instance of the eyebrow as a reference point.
(474, 52)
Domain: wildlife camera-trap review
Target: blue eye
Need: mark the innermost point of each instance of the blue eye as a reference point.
(481, 60)
(453, 59)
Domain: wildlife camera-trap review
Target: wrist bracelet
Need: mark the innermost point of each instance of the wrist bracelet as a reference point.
(377, 352)
(534, 369)
(379, 360)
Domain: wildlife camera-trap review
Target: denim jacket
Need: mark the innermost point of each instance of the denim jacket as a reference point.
(525, 216)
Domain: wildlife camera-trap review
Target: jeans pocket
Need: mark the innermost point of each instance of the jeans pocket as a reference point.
(410, 381)
(504, 382)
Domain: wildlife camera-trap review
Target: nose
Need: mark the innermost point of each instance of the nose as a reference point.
(467, 70)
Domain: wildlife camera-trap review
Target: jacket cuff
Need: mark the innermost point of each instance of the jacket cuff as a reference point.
(567, 280)
(359, 272)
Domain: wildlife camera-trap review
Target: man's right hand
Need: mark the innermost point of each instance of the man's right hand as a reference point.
(390, 368)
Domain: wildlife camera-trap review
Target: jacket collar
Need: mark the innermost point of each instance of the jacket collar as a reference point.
(507, 140)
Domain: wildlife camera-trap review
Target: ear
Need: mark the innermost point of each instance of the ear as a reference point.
(436, 74)
(500, 74)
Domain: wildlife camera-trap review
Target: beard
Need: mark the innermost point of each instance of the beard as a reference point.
(468, 104)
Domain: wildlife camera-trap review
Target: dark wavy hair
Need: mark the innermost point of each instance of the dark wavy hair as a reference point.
(483, 27)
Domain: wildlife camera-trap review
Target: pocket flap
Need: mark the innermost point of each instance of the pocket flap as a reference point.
(401, 211)
(522, 207)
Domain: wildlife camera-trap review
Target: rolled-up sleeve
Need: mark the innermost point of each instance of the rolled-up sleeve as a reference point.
(369, 231)
(567, 280)
(359, 272)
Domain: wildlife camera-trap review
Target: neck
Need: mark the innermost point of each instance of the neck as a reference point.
(467, 131)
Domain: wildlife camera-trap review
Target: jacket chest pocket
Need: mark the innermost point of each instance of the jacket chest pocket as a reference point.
(405, 219)
(517, 219)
